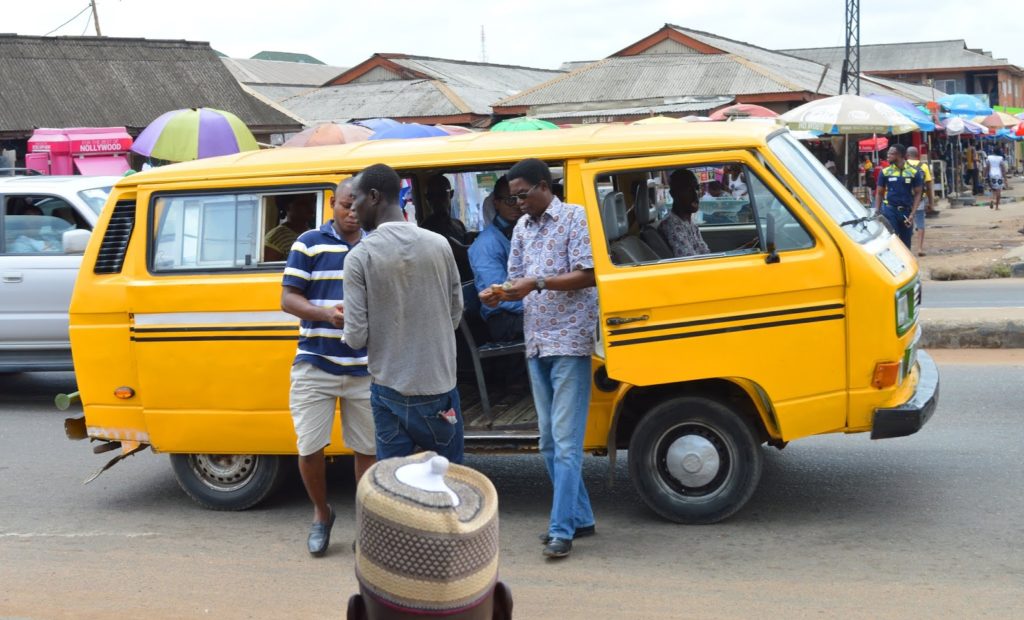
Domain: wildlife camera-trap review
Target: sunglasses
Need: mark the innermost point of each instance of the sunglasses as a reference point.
(520, 197)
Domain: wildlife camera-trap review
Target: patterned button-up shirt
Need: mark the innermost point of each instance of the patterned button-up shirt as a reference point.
(682, 236)
(555, 322)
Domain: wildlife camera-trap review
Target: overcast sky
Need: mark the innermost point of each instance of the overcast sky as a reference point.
(525, 32)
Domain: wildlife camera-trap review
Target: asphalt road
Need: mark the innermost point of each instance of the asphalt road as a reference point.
(926, 526)
(993, 293)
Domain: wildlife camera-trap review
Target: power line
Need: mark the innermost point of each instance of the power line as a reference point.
(86, 26)
(77, 15)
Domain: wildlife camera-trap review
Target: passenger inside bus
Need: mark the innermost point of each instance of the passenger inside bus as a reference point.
(300, 212)
(679, 229)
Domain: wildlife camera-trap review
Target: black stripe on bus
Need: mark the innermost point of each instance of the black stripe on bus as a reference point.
(210, 338)
(241, 328)
(724, 319)
(726, 330)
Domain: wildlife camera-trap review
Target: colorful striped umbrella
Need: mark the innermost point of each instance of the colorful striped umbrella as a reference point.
(194, 133)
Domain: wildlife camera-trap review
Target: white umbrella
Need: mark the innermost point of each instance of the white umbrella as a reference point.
(848, 114)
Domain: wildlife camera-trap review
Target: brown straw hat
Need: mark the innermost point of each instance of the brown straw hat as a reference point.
(427, 535)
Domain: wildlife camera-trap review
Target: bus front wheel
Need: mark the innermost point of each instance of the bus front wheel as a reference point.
(693, 460)
(227, 481)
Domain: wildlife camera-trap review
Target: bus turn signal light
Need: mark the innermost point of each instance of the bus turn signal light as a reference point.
(124, 392)
(886, 374)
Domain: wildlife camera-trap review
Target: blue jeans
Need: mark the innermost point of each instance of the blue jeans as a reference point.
(405, 423)
(897, 219)
(561, 393)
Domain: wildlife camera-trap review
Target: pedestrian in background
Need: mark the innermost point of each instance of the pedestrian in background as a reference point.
(551, 268)
(914, 159)
(326, 368)
(995, 167)
(403, 302)
(899, 193)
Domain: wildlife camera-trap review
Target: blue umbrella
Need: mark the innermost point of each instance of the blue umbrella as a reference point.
(965, 105)
(406, 131)
(907, 109)
(377, 124)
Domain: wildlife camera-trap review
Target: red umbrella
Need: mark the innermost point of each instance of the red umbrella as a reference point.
(329, 133)
(743, 110)
(1020, 130)
(871, 145)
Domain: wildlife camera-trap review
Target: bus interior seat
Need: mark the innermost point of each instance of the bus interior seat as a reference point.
(646, 218)
(625, 249)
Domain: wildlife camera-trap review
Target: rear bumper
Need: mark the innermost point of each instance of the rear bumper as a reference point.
(908, 418)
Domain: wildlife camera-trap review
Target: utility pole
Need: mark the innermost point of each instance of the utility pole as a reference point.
(483, 45)
(849, 79)
(95, 17)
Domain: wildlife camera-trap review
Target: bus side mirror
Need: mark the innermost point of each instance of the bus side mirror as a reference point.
(75, 241)
(769, 239)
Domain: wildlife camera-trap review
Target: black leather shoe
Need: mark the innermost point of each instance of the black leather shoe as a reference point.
(557, 548)
(320, 536)
(581, 532)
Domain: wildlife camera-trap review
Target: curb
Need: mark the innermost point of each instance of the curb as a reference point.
(977, 333)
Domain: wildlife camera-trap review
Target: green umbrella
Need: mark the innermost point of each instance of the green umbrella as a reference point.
(523, 123)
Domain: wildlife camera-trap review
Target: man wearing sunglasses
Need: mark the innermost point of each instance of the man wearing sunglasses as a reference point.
(551, 268)
(489, 258)
(439, 195)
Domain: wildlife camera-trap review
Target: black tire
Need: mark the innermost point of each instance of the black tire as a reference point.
(698, 430)
(227, 481)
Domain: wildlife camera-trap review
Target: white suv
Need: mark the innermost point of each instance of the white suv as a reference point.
(45, 223)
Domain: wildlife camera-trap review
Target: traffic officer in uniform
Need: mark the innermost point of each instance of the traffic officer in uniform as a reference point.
(898, 194)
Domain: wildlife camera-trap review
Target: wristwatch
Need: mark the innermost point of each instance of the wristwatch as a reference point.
(540, 283)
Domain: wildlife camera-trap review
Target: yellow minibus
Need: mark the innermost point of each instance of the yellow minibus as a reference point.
(800, 319)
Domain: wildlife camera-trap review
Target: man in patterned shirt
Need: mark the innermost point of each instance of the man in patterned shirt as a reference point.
(551, 268)
(678, 229)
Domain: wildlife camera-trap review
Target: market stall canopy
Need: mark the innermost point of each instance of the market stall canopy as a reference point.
(848, 114)
(523, 123)
(878, 143)
(955, 126)
(743, 110)
(329, 133)
(906, 108)
(194, 133)
(962, 104)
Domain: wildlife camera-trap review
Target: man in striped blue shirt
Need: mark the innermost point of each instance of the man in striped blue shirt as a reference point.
(325, 368)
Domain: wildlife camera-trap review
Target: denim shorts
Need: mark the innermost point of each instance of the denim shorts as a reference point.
(408, 424)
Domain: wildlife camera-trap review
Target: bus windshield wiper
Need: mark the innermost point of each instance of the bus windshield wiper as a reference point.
(860, 220)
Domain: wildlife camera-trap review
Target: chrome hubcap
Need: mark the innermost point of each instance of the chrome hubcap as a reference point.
(692, 460)
(224, 472)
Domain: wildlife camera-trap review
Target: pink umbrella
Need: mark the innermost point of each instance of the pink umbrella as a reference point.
(453, 130)
(327, 134)
(743, 110)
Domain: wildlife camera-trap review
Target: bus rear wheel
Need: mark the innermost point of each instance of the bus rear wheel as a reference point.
(694, 460)
(227, 481)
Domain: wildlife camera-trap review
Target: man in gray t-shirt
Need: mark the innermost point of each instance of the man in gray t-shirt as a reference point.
(403, 302)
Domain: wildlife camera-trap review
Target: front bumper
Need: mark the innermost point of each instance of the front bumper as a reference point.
(908, 418)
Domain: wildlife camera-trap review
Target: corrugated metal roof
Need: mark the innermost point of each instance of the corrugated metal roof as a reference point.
(392, 99)
(279, 72)
(656, 76)
(101, 81)
(915, 56)
(279, 93)
(690, 106)
(503, 79)
(288, 57)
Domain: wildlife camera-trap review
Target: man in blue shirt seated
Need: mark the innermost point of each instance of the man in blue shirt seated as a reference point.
(489, 258)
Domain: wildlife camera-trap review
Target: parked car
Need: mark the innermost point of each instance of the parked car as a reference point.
(45, 225)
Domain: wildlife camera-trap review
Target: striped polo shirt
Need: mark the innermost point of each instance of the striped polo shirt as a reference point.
(315, 266)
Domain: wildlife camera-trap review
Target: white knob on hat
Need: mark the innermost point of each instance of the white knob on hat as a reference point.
(428, 476)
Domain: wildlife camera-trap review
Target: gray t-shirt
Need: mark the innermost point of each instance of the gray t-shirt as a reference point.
(403, 302)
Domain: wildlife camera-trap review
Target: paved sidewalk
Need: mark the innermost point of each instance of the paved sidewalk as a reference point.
(972, 328)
